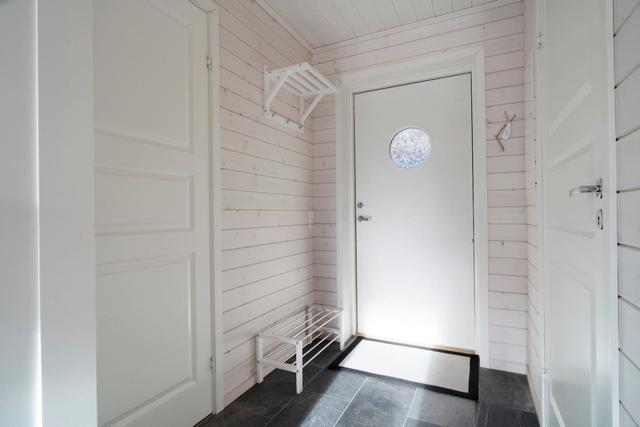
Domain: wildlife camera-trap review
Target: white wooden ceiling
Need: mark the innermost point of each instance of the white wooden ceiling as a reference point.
(324, 22)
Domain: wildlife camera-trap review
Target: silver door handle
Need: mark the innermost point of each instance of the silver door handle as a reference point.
(584, 189)
(364, 218)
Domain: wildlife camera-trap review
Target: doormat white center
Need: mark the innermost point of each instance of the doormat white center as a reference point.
(441, 370)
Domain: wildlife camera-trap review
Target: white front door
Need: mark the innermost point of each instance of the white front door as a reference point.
(580, 323)
(152, 213)
(415, 250)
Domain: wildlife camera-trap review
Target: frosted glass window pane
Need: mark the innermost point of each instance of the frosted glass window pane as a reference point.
(410, 148)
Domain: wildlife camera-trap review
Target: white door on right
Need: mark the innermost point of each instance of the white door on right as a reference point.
(576, 134)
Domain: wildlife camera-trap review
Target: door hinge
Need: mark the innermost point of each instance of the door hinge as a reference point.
(209, 63)
(212, 363)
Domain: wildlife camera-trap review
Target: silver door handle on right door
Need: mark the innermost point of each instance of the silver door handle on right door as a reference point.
(583, 189)
(364, 218)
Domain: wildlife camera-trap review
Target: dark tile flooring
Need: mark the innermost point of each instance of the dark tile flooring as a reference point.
(347, 398)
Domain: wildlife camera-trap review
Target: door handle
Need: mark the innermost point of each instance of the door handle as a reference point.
(584, 189)
(364, 218)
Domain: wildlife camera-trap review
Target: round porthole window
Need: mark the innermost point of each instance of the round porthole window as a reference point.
(410, 148)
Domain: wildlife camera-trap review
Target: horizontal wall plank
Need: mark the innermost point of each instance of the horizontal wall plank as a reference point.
(630, 387)
(248, 200)
(258, 290)
(324, 244)
(502, 249)
(255, 111)
(508, 301)
(240, 315)
(508, 232)
(325, 257)
(324, 176)
(629, 274)
(241, 219)
(325, 216)
(243, 276)
(626, 52)
(625, 418)
(507, 215)
(235, 258)
(233, 239)
(505, 181)
(325, 298)
(505, 95)
(325, 284)
(498, 79)
(629, 218)
(621, 11)
(628, 154)
(506, 335)
(248, 127)
(500, 283)
(508, 352)
(505, 164)
(627, 95)
(232, 141)
(246, 181)
(510, 318)
(629, 324)
(506, 198)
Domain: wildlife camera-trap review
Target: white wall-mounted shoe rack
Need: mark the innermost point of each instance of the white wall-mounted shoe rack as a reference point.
(303, 81)
(315, 326)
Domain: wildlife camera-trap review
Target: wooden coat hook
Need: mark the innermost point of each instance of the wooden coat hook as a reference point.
(505, 131)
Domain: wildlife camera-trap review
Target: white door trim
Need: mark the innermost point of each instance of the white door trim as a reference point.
(424, 68)
(211, 8)
(215, 207)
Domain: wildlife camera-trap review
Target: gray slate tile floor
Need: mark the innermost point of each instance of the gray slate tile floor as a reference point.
(347, 398)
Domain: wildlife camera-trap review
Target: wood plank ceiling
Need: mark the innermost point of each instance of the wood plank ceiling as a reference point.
(324, 22)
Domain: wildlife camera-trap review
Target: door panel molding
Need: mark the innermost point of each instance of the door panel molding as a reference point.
(161, 241)
(415, 70)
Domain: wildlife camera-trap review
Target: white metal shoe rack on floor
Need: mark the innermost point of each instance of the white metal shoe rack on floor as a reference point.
(315, 327)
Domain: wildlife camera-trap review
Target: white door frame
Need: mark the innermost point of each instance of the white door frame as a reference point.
(415, 70)
(211, 8)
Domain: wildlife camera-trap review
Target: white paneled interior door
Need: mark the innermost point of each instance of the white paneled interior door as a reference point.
(152, 213)
(415, 250)
(580, 322)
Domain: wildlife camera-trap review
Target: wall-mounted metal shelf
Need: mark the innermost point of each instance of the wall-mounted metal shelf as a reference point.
(315, 326)
(303, 81)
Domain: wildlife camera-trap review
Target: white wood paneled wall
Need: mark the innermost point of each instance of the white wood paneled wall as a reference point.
(500, 31)
(627, 93)
(267, 237)
(535, 290)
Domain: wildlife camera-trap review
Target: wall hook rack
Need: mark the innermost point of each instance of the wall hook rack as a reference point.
(303, 81)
